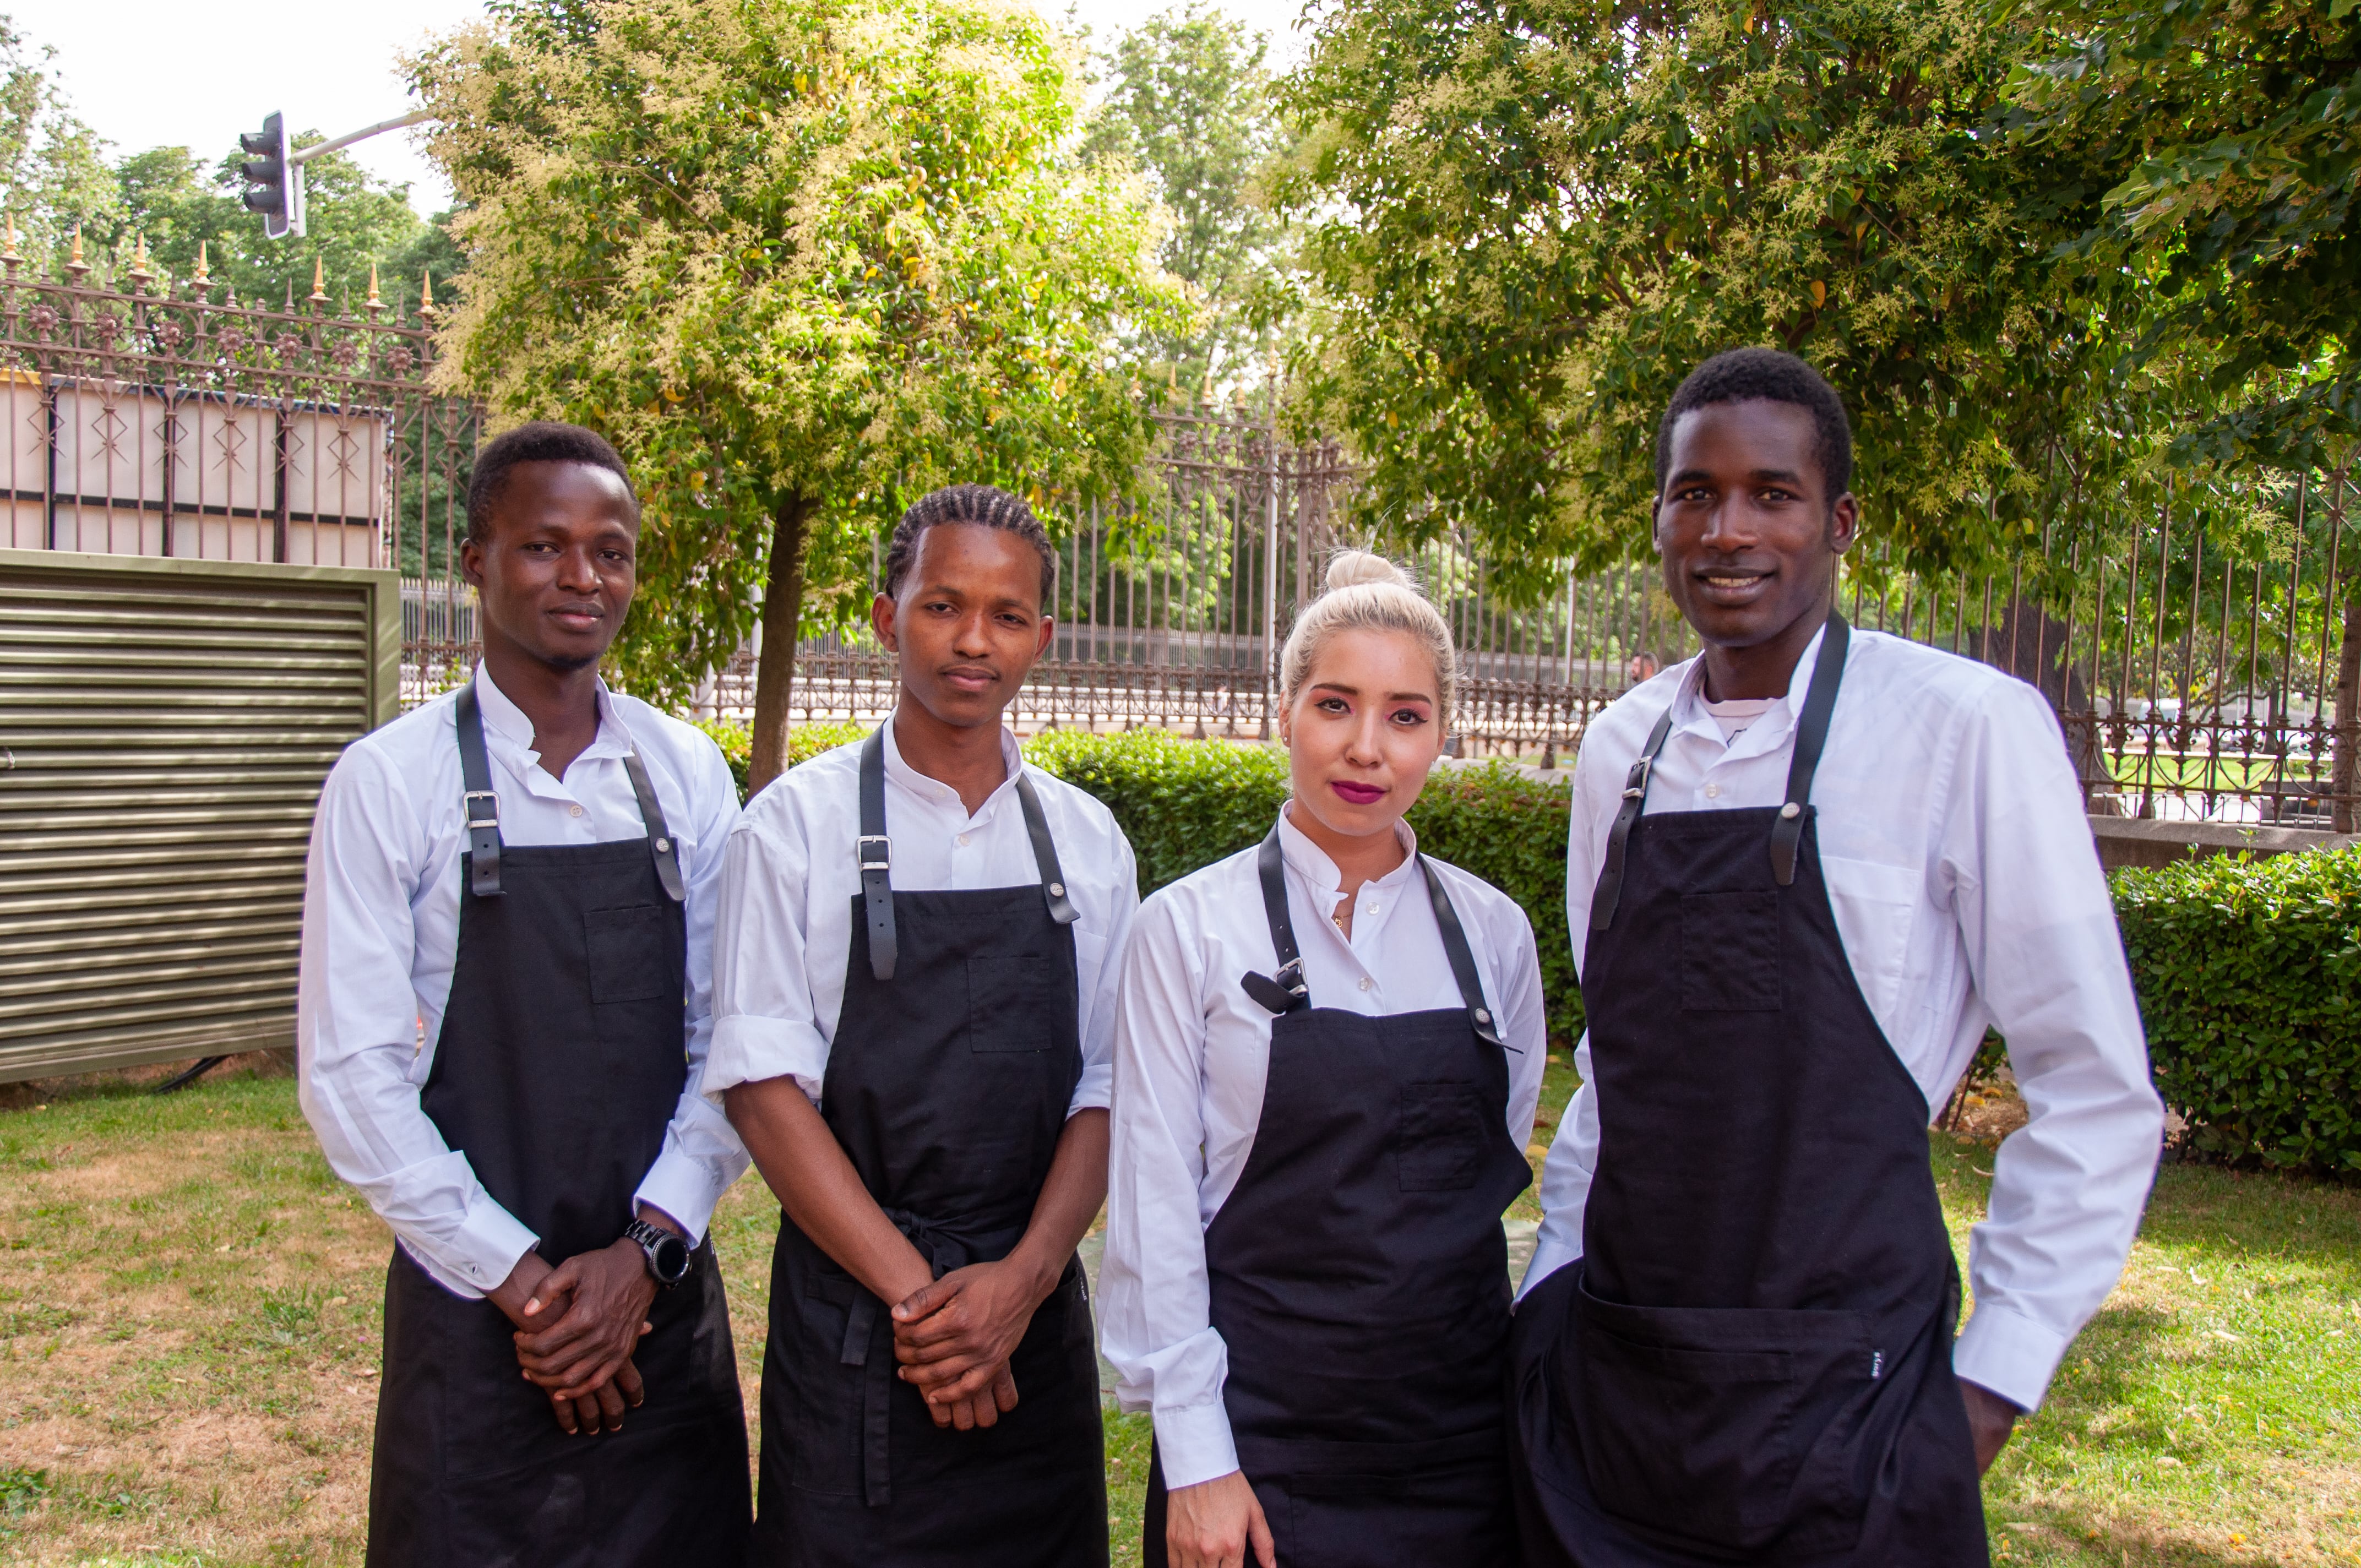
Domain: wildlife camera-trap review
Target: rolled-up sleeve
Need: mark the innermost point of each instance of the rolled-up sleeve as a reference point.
(2047, 961)
(701, 1155)
(1157, 1328)
(764, 1024)
(357, 1023)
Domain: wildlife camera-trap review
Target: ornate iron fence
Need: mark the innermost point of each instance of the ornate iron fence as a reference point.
(2197, 671)
(166, 418)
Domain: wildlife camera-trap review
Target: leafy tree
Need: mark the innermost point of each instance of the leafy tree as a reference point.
(1190, 101)
(1530, 218)
(2227, 134)
(802, 261)
(54, 173)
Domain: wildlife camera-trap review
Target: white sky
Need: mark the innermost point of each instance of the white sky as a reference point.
(150, 74)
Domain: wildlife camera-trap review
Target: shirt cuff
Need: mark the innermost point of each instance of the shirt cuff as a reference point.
(2009, 1354)
(483, 1253)
(1194, 1444)
(751, 1049)
(1096, 1091)
(682, 1186)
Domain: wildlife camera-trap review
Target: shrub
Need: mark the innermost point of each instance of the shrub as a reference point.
(1186, 804)
(804, 742)
(2247, 973)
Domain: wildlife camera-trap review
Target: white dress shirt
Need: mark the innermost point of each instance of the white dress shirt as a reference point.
(1192, 1051)
(381, 934)
(791, 875)
(1967, 894)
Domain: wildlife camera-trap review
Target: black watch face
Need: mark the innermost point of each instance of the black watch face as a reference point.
(672, 1259)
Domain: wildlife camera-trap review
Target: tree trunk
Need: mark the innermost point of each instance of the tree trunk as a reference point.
(775, 667)
(2348, 720)
(2341, 772)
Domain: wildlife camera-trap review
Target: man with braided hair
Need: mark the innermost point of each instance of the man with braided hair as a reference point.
(915, 959)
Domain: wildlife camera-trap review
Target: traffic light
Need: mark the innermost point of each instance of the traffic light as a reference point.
(274, 184)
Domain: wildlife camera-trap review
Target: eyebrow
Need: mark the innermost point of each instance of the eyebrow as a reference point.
(1342, 689)
(952, 590)
(1758, 476)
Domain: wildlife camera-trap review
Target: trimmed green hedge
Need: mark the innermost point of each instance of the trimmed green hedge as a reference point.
(804, 742)
(2249, 979)
(2248, 971)
(1185, 804)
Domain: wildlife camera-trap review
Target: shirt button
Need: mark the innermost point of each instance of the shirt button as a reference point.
(1369, 909)
(1367, 982)
(1712, 791)
(573, 811)
(963, 840)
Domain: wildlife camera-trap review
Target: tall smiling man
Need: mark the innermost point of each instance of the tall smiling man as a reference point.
(1807, 870)
(916, 968)
(502, 1014)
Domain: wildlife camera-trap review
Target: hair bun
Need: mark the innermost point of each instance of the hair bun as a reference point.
(1350, 568)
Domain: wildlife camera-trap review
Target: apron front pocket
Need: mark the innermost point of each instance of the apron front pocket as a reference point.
(1730, 953)
(1440, 1141)
(630, 959)
(1688, 1416)
(1010, 1002)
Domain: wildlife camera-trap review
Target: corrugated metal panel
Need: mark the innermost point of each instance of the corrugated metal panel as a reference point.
(164, 729)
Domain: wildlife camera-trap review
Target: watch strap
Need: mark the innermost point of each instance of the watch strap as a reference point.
(651, 1237)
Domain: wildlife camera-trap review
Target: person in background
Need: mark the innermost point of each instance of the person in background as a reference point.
(501, 1018)
(914, 977)
(1328, 1052)
(1807, 870)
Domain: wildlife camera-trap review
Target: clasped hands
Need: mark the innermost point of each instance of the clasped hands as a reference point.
(577, 1324)
(953, 1338)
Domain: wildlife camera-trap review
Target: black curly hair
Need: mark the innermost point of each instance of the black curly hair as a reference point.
(1743, 374)
(984, 505)
(542, 440)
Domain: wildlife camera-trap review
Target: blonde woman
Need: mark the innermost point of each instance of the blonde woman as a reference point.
(1328, 1050)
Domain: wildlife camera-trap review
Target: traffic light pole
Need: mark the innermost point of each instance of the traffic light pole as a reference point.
(283, 217)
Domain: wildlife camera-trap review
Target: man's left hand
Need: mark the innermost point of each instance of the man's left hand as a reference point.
(1991, 1418)
(954, 1336)
(596, 1304)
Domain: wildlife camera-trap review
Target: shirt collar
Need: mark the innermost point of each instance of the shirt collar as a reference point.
(505, 721)
(1309, 862)
(936, 792)
(1777, 721)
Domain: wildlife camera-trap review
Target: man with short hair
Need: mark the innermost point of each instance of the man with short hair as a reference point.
(1807, 870)
(502, 1021)
(915, 977)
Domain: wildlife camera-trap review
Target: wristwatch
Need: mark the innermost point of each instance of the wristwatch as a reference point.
(667, 1252)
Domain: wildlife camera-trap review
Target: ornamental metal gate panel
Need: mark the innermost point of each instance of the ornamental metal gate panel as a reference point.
(165, 726)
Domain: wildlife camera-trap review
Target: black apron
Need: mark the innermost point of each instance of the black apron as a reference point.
(955, 1057)
(1752, 1362)
(558, 1066)
(1359, 1277)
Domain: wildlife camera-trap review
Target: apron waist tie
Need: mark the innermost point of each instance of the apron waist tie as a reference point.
(868, 1344)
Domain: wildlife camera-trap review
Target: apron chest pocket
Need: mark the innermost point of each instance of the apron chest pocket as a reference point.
(1439, 1139)
(1010, 1002)
(630, 959)
(1730, 953)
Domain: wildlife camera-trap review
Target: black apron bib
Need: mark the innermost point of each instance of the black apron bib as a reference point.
(1360, 1277)
(558, 1067)
(955, 1057)
(1752, 1362)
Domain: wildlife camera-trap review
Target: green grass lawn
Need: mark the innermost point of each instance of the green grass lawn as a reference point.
(189, 1319)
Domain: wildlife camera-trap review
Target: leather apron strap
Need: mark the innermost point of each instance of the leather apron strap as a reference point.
(1287, 991)
(481, 809)
(875, 851)
(1787, 831)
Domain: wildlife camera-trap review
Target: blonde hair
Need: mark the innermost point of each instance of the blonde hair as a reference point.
(1366, 592)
